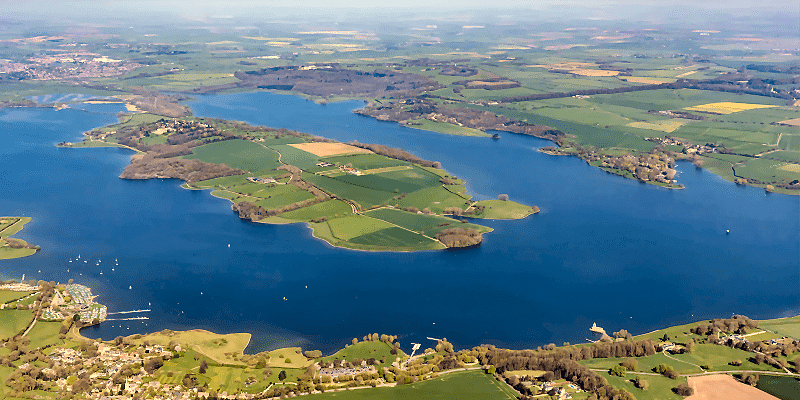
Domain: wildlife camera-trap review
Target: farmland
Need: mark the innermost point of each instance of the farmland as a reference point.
(11, 247)
(287, 177)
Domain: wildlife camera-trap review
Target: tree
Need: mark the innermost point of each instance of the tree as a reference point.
(618, 370)
(282, 375)
(750, 379)
(203, 367)
(683, 390)
(153, 364)
(503, 197)
(81, 385)
(354, 341)
(630, 364)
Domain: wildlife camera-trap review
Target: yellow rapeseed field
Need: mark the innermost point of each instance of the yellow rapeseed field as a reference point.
(726, 107)
(791, 168)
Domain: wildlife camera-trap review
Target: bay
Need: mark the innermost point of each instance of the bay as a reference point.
(604, 249)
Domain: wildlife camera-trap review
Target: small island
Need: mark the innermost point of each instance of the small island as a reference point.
(12, 247)
(353, 195)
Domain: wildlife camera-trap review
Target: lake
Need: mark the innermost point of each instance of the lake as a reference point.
(603, 248)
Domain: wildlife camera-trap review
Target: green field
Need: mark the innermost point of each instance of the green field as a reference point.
(9, 227)
(7, 296)
(330, 208)
(475, 385)
(293, 156)
(44, 334)
(14, 321)
(782, 387)
(395, 238)
(237, 153)
(428, 225)
(364, 196)
(446, 128)
(349, 227)
(217, 347)
(784, 326)
(365, 161)
(499, 209)
(766, 170)
(364, 350)
(660, 386)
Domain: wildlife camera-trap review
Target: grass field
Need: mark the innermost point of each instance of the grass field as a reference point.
(278, 358)
(8, 227)
(475, 385)
(660, 386)
(209, 344)
(349, 227)
(717, 357)
(294, 156)
(499, 209)
(428, 225)
(395, 237)
(782, 387)
(446, 128)
(364, 350)
(766, 170)
(364, 196)
(44, 334)
(226, 181)
(7, 296)
(646, 364)
(330, 208)
(365, 161)
(237, 153)
(14, 321)
(784, 326)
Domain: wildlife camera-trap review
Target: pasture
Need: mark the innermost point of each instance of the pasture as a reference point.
(237, 153)
(294, 156)
(499, 209)
(783, 326)
(766, 170)
(428, 225)
(474, 385)
(365, 161)
(45, 334)
(7, 296)
(364, 350)
(328, 209)
(14, 321)
(364, 196)
(396, 238)
(217, 347)
(660, 386)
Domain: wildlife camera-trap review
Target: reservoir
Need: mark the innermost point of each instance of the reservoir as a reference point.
(603, 249)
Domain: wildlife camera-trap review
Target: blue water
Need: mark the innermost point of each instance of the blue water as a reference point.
(604, 249)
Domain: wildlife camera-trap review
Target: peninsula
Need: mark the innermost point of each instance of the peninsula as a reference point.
(12, 247)
(353, 195)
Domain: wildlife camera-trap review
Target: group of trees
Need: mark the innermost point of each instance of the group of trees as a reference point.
(148, 167)
(738, 324)
(459, 237)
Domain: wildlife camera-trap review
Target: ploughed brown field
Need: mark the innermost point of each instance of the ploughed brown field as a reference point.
(724, 387)
(322, 149)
